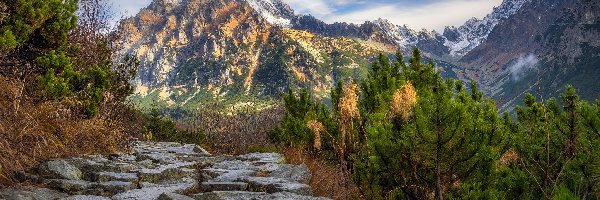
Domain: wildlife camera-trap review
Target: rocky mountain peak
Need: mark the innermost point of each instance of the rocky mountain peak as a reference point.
(465, 38)
(275, 12)
(402, 36)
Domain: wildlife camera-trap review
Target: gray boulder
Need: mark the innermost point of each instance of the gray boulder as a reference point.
(59, 169)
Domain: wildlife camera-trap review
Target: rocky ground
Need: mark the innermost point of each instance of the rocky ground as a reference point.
(166, 171)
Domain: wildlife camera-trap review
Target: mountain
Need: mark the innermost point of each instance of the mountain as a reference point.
(193, 51)
(542, 47)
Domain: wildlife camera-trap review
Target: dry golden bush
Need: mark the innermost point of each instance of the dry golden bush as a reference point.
(509, 157)
(403, 101)
(328, 179)
(31, 131)
(348, 111)
(318, 129)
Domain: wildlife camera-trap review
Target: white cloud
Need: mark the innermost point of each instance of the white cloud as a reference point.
(432, 16)
(522, 65)
(313, 7)
(129, 7)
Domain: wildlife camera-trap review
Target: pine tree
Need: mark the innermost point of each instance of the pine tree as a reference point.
(558, 146)
(449, 134)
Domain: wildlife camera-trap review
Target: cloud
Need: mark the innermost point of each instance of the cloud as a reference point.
(129, 7)
(523, 65)
(428, 14)
(418, 14)
(314, 7)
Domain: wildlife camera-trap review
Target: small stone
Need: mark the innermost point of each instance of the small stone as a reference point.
(59, 169)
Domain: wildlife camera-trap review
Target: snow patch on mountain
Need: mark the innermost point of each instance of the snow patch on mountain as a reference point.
(402, 35)
(463, 39)
(275, 12)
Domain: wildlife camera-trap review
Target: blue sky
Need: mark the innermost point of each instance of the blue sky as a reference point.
(417, 14)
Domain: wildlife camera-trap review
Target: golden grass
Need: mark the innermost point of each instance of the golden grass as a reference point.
(32, 131)
(328, 180)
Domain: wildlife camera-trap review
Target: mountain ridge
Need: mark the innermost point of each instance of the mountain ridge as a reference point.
(214, 52)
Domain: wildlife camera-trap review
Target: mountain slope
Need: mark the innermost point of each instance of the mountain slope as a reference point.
(197, 50)
(544, 46)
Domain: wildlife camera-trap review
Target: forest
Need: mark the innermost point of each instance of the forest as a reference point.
(404, 132)
(407, 133)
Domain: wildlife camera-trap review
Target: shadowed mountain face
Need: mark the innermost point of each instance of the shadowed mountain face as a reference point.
(197, 50)
(544, 46)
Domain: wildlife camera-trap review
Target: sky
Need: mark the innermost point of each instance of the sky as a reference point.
(417, 14)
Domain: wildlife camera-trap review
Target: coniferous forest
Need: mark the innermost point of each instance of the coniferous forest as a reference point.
(407, 133)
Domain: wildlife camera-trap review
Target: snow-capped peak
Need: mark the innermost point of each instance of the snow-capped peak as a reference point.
(275, 12)
(402, 35)
(475, 31)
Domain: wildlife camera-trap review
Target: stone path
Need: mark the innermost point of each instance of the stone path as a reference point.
(166, 171)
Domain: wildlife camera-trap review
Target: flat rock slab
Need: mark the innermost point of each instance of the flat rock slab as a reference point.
(30, 193)
(114, 176)
(242, 195)
(223, 186)
(85, 197)
(167, 171)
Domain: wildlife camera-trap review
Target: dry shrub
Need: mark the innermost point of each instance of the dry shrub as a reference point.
(233, 134)
(509, 157)
(31, 131)
(348, 111)
(403, 101)
(318, 129)
(328, 180)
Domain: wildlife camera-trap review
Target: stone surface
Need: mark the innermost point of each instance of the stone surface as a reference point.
(173, 196)
(167, 171)
(85, 197)
(113, 176)
(30, 193)
(59, 169)
(223, 186)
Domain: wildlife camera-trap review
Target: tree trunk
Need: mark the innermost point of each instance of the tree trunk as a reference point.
(438, 171)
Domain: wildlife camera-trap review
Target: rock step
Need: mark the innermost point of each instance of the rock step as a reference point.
(166, 171)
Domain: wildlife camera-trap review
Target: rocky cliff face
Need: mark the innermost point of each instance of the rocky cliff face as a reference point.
(544, 46)
(204, 49)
